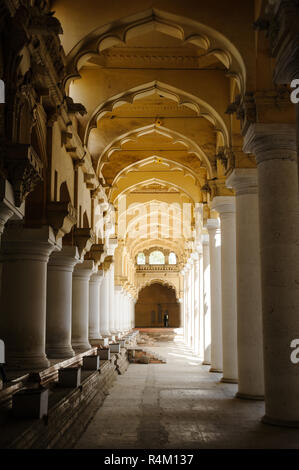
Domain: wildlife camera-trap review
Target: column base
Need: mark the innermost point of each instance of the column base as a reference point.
(279, 422)
(95, 341)
(81, 347)
(218, 371)
(113, 333)
(227, 380)
(105, 334)
(206, 363)
(27, 363)
(63, 352)
(245, 396)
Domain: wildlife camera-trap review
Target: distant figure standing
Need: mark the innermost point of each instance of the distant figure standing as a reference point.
(166, 319)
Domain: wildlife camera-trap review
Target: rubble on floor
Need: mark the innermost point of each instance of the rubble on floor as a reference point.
(141, 356)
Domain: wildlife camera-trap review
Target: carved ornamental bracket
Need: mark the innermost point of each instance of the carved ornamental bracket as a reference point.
(62, 216)
(24, 170)
(107, 263)
(83, 238)
(96, 252)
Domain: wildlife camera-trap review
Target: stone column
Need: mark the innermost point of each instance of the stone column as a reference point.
(206, 300)
(25, 254)
(127, 316)
(104, 305)
(184, 303)
(249, 296)
(201, 306)
(94, 305)
(185, 332)
(213, 228)
(226, 207)
(133, 312)
(181, 302)
(189, 305)
(192, 303)
(80, 305)
(59, 302)
(121, 310)
(112, 314)
(196, 327)
(118, 312)
(274, 146)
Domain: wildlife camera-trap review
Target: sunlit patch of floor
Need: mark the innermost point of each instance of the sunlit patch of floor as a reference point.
(180, 405)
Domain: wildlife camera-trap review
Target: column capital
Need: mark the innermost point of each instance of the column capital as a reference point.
(84, 270)
(96, 277)
(19, 242)
(243, 181)
(224, 204)
(212, 224)
(271, 142)
(64, 260)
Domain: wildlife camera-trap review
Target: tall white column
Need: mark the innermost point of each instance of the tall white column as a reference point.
(213, 228)
(117, 290)
(196, 306)
(94, 305)
(201, 306)
(184, 274)
(104, 305)
(133, 302)
(112, 328)
(274, 146)
(127, 310)
(121, 310)
(59, 302)
(181, 302)
(24, 257)
(189, 305)
(249, 296)
(192, 303)
(80, 305)
(206, 300)
(226, 207)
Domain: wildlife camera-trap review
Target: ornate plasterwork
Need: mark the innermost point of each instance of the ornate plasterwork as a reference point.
(62, 216)
(83, 238)
(155, 187)
(24, 170)
(211, 42)
(200, 107)
(188, 145)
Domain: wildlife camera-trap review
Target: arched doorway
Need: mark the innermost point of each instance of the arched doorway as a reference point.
(153, 302)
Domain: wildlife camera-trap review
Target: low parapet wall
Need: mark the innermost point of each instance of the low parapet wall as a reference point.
(70, 410)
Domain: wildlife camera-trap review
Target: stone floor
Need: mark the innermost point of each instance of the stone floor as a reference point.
(180, 405)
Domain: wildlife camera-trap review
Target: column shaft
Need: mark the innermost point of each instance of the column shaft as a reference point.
(274, 146)
(59, 302)
(25, 253)
(94, 305)
(249, 298)
(213, 227)
(225, 206)
(80, 305)
(206, 301)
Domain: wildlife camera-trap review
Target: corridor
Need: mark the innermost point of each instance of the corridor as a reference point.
(180, 405)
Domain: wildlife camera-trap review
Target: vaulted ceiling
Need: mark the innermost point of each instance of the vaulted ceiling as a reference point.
(156, 86)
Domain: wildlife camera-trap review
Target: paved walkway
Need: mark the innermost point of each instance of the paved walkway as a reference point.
(179, 405)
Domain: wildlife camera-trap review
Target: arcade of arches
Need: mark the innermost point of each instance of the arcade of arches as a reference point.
(149, 164)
